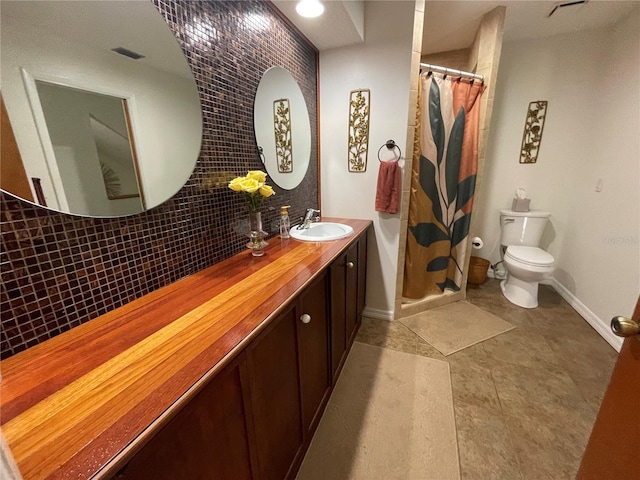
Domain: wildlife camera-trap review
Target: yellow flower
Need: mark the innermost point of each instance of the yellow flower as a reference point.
(266, 191)
(250, 185)
(253, 187)
(235, 184)
(258, 175)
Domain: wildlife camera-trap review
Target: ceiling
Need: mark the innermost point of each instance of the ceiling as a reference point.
(341, 24)
(452, 24)
(103, 25)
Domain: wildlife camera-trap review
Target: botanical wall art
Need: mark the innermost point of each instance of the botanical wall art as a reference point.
(359, 104)
(532, 136)
(282, 130)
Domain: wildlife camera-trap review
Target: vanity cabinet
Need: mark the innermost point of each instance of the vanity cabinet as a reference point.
(206, 378)
(256, 418)
(348, 286)
(208, 438)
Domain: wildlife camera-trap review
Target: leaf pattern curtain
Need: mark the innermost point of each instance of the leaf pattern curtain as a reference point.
(445, 162)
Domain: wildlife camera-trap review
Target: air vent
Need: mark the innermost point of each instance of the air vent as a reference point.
(127, 53)
(558, 6)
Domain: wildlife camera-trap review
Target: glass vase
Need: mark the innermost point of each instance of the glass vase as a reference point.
(257, 236)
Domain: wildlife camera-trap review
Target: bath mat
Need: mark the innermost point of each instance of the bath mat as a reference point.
(456, 326)
(390, 417)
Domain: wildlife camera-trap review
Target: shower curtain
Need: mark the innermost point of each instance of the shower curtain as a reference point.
(445, 161)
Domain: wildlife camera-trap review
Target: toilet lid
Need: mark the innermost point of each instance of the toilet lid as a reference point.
(529, 255)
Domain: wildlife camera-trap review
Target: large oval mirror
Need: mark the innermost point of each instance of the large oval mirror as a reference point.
(104, 112)
(282, 128)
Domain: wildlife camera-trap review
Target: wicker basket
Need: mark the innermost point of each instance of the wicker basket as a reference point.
(477, 270)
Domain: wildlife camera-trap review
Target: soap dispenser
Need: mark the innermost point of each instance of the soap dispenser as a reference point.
(284, 221)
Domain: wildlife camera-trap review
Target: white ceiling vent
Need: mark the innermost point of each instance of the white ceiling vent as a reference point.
(562, 5)
(128, 53)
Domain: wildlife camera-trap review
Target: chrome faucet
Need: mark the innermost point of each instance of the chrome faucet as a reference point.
(311, 215)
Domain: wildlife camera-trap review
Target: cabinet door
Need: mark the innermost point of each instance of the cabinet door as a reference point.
(206, 439)
(352, 293)
(362, 275)
(272, 361)
(338, 282)
(347, 275)
(313, 347)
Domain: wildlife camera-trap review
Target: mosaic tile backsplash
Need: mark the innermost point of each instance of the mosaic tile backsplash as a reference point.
(59, 271)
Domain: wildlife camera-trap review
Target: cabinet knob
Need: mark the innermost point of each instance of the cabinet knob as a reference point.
(350, 265)
(305, 318)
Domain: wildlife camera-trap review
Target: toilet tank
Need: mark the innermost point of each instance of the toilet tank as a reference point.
(522, 228)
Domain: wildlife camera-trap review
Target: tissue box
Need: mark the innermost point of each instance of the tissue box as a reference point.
(520, 204)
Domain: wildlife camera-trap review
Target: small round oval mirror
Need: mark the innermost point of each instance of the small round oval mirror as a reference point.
(282, 128)
(104, 109)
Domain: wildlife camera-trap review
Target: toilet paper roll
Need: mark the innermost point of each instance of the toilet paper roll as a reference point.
(477, 243)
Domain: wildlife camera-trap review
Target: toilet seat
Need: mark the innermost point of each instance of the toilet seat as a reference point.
(534, 256)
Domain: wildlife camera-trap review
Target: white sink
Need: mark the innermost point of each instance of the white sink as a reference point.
(321, 232)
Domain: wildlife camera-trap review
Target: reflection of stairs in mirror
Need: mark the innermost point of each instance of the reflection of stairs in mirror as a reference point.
(116, 157)
(93, 118)
(111, 181)
(108, 139)
(109, 144)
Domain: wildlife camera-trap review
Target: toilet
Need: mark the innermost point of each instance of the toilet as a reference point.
(526, 263)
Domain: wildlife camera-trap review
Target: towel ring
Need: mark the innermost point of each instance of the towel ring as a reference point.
(390, 144)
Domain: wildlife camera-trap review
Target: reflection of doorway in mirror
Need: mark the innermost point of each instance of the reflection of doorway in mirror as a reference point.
(282, 131)
(87, 131)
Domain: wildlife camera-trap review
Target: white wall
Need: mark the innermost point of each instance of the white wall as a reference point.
(382, 64)
(592, 83)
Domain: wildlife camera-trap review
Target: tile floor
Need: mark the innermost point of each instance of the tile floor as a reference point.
(524, 401)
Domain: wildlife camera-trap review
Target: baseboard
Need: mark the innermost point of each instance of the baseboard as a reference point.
(592, 319)
(378, 314)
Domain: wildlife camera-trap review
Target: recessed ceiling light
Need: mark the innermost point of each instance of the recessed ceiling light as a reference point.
(309, 8)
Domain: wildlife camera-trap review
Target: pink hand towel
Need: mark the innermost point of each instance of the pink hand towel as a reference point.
(388, 190)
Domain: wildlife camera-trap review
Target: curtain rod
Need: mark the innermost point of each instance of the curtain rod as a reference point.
(453, 72)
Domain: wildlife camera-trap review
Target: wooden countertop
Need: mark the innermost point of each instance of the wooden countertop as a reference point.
(76, 405)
